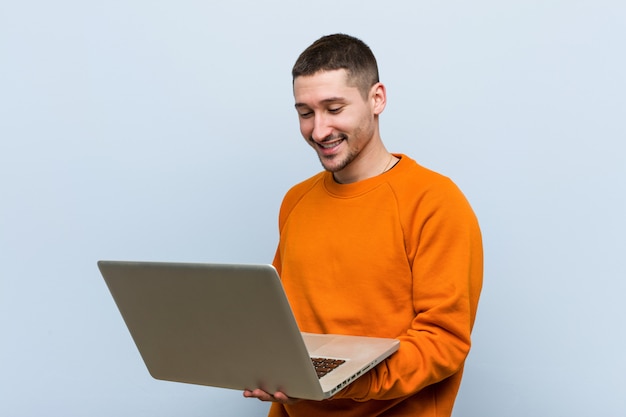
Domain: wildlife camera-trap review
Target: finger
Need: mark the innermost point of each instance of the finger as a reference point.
(282, 398)
(259, 394)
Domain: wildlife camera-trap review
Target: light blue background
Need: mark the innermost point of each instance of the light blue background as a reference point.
(162, 130)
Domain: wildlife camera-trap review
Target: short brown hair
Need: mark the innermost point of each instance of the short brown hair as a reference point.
(339, 51)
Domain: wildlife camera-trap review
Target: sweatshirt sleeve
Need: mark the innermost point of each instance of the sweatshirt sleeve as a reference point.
(445, 248)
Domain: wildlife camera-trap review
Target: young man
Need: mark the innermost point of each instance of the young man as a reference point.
(374, 245)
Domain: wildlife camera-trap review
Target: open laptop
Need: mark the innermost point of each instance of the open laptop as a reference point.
(231, 326)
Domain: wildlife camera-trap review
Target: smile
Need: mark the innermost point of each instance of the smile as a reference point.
(330, 142)
(330, 145)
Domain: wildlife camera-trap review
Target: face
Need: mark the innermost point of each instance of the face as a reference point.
(336, 120)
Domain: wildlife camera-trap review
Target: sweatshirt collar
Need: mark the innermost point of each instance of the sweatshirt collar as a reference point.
(361, 187)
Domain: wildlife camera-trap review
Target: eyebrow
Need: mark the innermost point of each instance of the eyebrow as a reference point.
(325, 101)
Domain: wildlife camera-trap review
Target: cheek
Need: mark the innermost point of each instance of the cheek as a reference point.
(306, 128)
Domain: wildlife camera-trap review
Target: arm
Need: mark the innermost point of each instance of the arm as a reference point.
(445, 249)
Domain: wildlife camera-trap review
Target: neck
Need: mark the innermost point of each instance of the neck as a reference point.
(366, 166)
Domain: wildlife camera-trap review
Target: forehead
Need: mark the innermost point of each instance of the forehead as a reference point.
(321, 86)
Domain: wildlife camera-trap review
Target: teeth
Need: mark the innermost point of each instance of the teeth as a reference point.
(330, 145)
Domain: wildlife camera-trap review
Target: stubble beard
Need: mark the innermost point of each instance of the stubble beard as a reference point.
(338, 162)
(335, 163)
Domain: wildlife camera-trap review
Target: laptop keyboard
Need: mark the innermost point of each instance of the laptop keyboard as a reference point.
(325, 365)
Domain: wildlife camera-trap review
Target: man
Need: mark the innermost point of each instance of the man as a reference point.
(375, 245)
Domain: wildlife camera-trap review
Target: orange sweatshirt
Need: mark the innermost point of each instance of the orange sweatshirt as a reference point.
(398, 255)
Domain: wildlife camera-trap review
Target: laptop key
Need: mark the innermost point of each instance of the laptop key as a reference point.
(325, 365)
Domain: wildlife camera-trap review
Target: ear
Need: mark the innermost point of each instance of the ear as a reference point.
(378, 98)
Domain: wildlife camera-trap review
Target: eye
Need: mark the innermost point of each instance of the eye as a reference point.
(335, 110)
(305, 115)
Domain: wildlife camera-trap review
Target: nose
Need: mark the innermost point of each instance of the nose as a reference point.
(321, 128)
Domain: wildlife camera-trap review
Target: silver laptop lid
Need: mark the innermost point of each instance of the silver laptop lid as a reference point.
(227, 326)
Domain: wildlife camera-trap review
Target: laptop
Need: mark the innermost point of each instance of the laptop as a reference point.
(231, 326)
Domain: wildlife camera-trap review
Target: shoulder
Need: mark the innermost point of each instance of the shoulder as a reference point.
(295, 193)
(415, 179)
(302, 188)
(419, 188)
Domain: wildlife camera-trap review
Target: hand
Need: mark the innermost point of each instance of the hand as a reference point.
(278, 397)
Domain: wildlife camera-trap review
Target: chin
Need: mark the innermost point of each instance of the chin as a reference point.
(332, 164)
